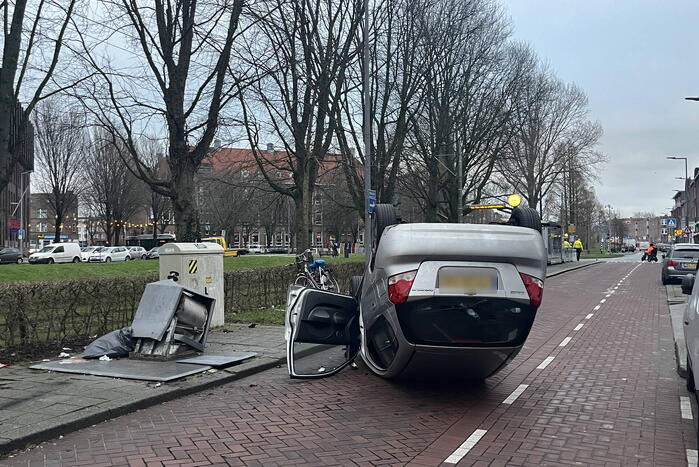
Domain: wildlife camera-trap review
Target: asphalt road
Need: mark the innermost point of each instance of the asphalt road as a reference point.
(594, 385)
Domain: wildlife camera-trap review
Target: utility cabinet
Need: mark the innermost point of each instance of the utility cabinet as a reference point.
(198, 267)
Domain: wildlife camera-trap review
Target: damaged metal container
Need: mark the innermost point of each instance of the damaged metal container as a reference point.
(171, 321)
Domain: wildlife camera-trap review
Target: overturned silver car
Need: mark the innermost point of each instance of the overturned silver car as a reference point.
(436, 300)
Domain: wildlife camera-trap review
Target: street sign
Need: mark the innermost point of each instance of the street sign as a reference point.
(572, 228)
(678, 231)
(687, 231)
(670, 222)
(371, 204)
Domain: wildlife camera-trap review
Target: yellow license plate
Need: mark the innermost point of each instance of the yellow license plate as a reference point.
(690, 265)
(467, 283)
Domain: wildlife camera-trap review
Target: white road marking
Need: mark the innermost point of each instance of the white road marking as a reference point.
(589, 315)
(565, 341)
(597, 308)
(579, 326)
(603, 300)
(545, 363)
(692, 457)
(616, 287)
(465, 447)
(515, 394)
(686, 408)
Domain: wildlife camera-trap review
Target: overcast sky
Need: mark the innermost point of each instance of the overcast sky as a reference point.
(637, 60)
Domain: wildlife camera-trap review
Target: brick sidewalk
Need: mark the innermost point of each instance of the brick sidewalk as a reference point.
(609, 397)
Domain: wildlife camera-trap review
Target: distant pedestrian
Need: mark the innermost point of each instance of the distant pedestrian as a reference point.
(578, 248)
(566, 244)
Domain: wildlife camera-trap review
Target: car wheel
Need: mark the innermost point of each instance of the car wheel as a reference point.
(384, 216)
(126, 258)
(525, 217)
(108, 260)
(143, 256)
(355, 286)
(20, 260)
(76, 260)
(664, 280)
(51, 261)
(690, 378)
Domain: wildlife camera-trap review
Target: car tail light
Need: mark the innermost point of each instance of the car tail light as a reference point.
(399, 286)
(672, 263)
(535, 289)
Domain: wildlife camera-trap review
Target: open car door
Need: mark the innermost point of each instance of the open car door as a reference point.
(322, 332)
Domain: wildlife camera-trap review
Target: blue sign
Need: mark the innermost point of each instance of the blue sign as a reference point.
(670, 222)
(371, 201)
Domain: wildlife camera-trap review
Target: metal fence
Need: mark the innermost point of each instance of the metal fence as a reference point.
(36, 317)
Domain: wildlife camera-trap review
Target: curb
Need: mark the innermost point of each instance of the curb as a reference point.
(580, 266)
(105, 414)
(229, 375)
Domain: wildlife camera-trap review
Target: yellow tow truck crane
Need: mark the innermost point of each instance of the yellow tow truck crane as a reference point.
(222, 241)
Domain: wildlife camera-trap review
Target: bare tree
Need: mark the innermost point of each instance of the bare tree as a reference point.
(113, 192)
(34, 33)
(60, 133)
(302, 49)
(397, 75)
(554, 135)
(176, 73)
(472, 85)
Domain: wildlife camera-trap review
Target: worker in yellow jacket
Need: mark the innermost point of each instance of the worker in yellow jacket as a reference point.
(578, 248)
(566, 244)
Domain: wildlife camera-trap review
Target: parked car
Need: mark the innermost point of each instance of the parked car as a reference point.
(153, 253)
(680, 261)
(437, 300)
(690, 319)
(85, 253)
(10, 255)
(137, 252)
(107, 254)
(57, 253)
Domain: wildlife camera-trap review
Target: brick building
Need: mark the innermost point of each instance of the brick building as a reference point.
(42, 222)
(14, 198)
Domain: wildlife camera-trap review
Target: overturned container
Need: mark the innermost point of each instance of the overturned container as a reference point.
(171, 321)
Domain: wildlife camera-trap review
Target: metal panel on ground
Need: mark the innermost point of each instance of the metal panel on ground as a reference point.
(127, 369)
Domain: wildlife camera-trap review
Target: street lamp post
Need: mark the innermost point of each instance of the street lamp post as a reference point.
(367, 136)
(20, 206)
(686, 197)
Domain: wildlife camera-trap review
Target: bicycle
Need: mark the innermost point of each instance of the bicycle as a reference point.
(314, 273)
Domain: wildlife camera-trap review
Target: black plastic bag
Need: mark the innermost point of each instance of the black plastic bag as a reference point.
(114, 345)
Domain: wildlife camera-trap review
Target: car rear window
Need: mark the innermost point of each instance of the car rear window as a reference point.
(693, 254)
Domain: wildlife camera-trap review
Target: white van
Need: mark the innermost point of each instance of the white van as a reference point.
(57, 253)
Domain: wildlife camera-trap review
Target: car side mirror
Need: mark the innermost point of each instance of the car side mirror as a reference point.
(688, 284)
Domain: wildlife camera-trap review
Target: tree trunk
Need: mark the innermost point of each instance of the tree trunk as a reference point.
(301, 227)
(184, 205)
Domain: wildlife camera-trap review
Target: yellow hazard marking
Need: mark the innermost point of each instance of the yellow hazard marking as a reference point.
(193, 266)
(209, 280)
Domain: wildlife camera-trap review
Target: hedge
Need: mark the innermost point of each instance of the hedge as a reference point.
(41, 317)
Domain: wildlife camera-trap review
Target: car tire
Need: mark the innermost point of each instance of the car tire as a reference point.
(384, 216)
(127, 258)
(664, 280)
(525, 217)
(76, 260)
(355, 286)
(20, 260)
(51, 261)
(690, 378)
(143, 256)
(108, 260)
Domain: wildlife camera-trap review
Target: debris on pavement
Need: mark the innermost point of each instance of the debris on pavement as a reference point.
(114, 344)
(63, 355)
(105, 358)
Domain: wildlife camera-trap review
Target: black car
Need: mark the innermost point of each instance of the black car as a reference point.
(10, 255)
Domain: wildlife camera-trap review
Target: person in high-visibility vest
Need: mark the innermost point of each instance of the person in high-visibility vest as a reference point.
(566, 244)
(578, 248)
